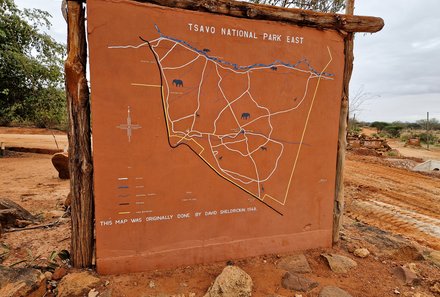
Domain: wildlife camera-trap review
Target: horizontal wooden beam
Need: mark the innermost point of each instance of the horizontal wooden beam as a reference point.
(340, 22)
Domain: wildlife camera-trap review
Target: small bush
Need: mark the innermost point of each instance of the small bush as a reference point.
(392, 131)
(405, 137)
(428, 138)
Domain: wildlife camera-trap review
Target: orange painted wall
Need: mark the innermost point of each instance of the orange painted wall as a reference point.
(209, 145)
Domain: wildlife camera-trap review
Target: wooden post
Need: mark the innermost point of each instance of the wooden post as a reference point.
(80, 157)
(338, 211)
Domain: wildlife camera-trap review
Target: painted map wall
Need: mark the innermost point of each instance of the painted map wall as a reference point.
(213, 137)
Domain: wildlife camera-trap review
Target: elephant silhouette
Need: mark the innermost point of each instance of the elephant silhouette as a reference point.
(206, 50)
(178, 82)
(245, 115)
(274, 68)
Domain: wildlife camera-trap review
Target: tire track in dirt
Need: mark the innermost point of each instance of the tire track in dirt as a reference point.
(394, 199)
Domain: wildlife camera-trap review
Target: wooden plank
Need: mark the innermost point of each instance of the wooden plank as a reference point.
(80, 157)
(340, 22)
(338, 211)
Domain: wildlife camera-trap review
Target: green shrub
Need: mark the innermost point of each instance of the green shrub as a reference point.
(393, 131)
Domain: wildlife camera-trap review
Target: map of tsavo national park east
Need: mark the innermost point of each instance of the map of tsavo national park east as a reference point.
(246, 122)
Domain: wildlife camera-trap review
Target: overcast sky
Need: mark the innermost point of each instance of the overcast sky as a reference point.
(398, 68)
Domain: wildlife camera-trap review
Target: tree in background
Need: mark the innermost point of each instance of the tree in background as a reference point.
(317, 5)
(434, 124)
(357, 101)
(31, 69)
(379, 125)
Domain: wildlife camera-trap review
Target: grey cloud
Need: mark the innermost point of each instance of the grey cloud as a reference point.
(400, 63)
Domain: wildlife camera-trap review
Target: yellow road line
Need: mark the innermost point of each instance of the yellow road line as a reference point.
(145, 85)
(305, 128)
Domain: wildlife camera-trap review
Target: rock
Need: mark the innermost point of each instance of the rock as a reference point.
(292, 281)
(330, 291)
(61, 163)
(20, 282)
(435, 288)
(48, 275)
(93, 293)
(59, 273)
(76, 284)
(434, 257)
(361, 253)
(232, 282)
(339, 263)
(406, 276)
(412, 267)
(295, 264)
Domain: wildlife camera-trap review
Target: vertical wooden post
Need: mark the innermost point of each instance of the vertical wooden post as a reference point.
(80, 157)
(338, 211)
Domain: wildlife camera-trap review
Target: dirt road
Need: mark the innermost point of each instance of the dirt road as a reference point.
(33, 138)
(393, 199)
(415, 152)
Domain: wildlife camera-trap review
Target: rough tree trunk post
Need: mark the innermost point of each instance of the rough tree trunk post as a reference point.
(80, 158)
(338, 211)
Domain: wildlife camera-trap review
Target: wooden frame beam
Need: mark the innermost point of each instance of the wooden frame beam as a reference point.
(340, 22)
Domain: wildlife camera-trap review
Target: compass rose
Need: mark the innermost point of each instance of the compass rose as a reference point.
(129, 126)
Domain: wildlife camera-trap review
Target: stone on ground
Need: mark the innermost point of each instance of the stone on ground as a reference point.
(339, 263)
(20, 282)
(331, 291)
(296, 282)
(406, 275)
(59, 273)
(361, 253)
(61, 163)
(232, 282)
(295, 264)
(77, 284)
